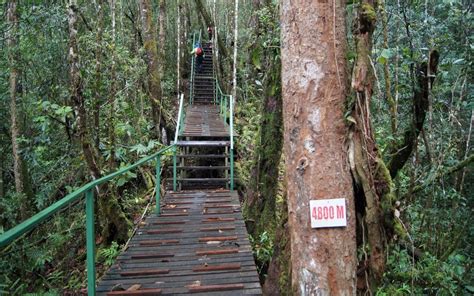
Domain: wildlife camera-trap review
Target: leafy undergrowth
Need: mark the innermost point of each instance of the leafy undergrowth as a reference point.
(427, 276)
(51, 259)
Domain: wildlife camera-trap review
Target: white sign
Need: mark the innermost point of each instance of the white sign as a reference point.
(328, 213)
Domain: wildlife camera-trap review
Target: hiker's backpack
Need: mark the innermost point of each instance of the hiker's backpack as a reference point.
(199, 51)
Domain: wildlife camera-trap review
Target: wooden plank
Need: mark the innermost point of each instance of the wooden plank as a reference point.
(144, 272)
(163, 231)
(217, 252)
(217, 228)
(217, 267)
(217, 219)
(150, 256)
(159, 242)
(213, 288)
(141, 292)
(217, 238)
(168, 222)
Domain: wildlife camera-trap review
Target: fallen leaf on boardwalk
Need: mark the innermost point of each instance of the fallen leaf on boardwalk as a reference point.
(220, 231)
(142, 223)
(171, 206)
(134, 287)
(213, 242)
(195, 284)
(117, 287)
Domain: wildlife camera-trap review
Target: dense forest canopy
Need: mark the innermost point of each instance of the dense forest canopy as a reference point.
(89, 87)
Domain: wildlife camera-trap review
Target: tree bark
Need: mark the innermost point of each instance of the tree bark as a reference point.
(151, 51)
(425, 74)
(323, 260)
(115, 224)
(98, 73)
(113, 88)
(236, 37)
(12, 41)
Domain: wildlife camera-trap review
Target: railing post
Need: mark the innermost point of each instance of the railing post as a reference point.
(90, 242)
(174, 168)
(231, 132)
(232, 169)
(158, 183)
(225, 109)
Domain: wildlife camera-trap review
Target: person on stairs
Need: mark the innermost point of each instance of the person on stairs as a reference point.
(199, 54)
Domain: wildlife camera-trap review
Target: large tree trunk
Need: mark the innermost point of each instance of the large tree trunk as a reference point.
(151, 51)
(323, 260)
(115, 224)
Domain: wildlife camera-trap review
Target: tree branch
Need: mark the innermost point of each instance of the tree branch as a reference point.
(403, 150)
(444, 172)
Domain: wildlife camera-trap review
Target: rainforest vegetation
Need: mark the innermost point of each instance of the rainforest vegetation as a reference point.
(89, 87)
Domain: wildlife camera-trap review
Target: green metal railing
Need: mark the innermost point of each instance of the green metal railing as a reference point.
(88, 191)
(226, 110)
(179, 130)
(191, 87)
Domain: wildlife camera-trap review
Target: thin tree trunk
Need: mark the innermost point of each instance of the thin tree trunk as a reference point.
(236, 35)
(323, 260)
(151, 50)
(12, 41)
(178, 54)
(98, 73)
(113, 88)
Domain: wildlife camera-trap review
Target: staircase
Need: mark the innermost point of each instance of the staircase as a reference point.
(204, 144)
(204, 84)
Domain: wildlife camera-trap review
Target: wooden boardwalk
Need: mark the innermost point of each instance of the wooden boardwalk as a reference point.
(197, 245)
(204, 121)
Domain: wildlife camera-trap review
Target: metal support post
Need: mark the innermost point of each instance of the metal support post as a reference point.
(90, 242)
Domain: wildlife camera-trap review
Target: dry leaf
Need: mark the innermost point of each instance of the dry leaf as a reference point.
(134, 287)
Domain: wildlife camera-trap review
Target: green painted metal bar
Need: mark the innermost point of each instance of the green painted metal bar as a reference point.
(174, 169)
(231, 123)
(90, 242)
(157, 185)
(231, 169)
(40, 217)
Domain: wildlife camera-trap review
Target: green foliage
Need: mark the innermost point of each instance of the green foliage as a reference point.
(108, 254)
(428, 276)
(262, 249)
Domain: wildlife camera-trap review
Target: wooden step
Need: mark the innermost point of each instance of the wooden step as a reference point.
(215, 288)
(202, 167)
(203, 155)
(144, 272)
(141, 292)
(203, 180)
(203, 143)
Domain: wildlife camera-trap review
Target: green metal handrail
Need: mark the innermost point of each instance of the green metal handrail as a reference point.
(179, 129)
(224, 102)
(88, 191)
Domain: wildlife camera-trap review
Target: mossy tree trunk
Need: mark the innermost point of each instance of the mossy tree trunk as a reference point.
(153, 69)
(114, 224)
(20, 170)
(373, 179)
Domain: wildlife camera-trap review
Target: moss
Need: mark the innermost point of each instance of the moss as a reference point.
(368, 12)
